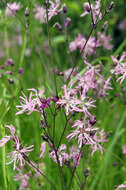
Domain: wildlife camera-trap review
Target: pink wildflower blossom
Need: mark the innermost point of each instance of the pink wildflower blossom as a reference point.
(122, 25)
(75, 154)
(36, 102)
(79, 43)
(53, 10)
(62, 155)
(122, 186)
(12, 9)
(24, 178)
(95, 8)
(104, 41)
(74, 103)
(18, 154)
(124, 149)
(82, 132)
(120, 68)
(42, 149)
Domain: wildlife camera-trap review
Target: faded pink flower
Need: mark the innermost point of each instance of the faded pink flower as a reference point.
(122, 186)
(72, 102)
(122, 25)
(12, 8)
(75, 154)
(124, 149)
(43, 149)
(120, 68)
(62, 155)
(18, 154)
(24, 178)
(82, 133)
(104, 41)
(79, 43)
(97, 15)
(36, 102)
(5, 139)
(53, 10)
(40, 13)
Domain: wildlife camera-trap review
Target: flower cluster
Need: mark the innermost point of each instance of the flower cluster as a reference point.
(120, 67)
(41, 12)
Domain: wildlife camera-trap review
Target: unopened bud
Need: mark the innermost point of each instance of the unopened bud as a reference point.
(67, 22)
(64, 9)
(27, 12)
(86, 173)
(87, 7)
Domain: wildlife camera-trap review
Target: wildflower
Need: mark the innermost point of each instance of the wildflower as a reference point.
(36, 102)
(12, 8)
(83, 133)
(18, 154)
(40, 13)
(75, 154)
(79, 43)
(122, 25)
(104, 41)
(62, 155)
(120, 68)
(121, 187)
(97, 15)
(53, 10)
(24, 178)
(124, 149)
(42, 149)
(72, 102)
(103, 86)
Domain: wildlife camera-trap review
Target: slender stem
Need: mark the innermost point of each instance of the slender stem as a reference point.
(23, 50)
(32, 165)
(3, 160)
(75, 167)
(64, 130)
(6, 38)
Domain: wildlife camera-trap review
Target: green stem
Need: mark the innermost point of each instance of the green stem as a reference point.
(6, 38)
(23, 50)
(4, 160)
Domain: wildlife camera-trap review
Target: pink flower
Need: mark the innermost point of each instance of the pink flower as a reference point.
(43, 149)
(27, 105)
(121, 187)
(104, 41)
(122, 25)
(53, 10)
(40, 13)
(97, 15)
(124, 149)
(18, 154)
(5, 139)
(74, 103)
(82, 133)
(75, 154)
(24, 178)
(12, 9)
(79, 43)
(62, 155)
(36, 102)
(120, 68)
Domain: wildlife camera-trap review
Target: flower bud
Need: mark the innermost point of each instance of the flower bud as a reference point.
(27, 12)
